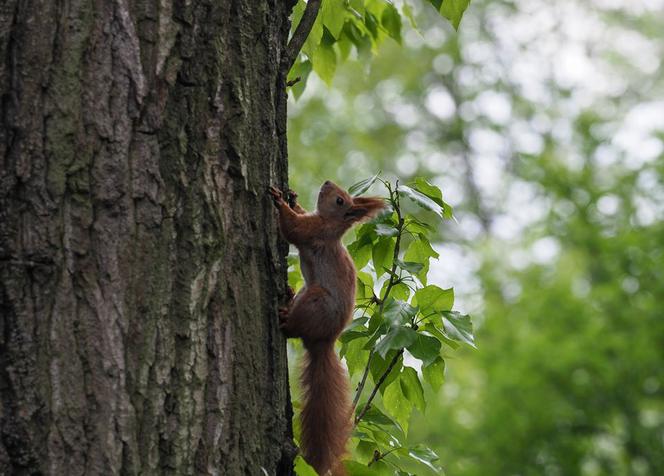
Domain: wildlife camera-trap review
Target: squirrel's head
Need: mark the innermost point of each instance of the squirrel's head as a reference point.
(334, 203)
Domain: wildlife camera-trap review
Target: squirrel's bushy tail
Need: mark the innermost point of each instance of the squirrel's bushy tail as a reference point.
(325, 417)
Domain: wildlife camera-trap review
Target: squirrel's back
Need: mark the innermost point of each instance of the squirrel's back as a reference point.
(330, 266)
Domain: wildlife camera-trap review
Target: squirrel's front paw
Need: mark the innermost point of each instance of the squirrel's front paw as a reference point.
(291, 197)
(277, 195)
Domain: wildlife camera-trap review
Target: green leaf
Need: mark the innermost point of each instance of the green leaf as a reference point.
(357, 6)
(357, 323)
(459, 327)
(302, 468)
(383, 253)
(383, 229)
(420, 251)
(295, 279)
(453, 11)
(366, 279)
(300, 69)
(358, 469)
(374, 415)
(397, 405)
(378, 468)
(400, 291)
(434, 373)
(387, 436)
(425, 456)
(325, 62)
(425, 348)
(365, 448)
(408, 13)
(396, 338)
(434, 193)
(410, 266)
(416, 226)
(438, 334)
(355, 330)
(379, 365)
(362, 186)
(391, 21)
(421, 199)
(315, 36)
(360, 249)
(381, 330)
(412, 388)
(398, 312)
(361, 255)
(348, 336)
(434, 299)
(359, 36)
(333, 13)
(366, 233)
(431, 191)
(355, 355)
(376, 321)
(436, 4)
(364, 287)
(371, 23)
(298, 11)
(345, 46)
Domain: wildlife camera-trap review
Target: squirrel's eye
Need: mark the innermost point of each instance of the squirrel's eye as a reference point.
(340, 201)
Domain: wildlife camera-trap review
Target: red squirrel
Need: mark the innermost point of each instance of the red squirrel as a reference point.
(320, 312)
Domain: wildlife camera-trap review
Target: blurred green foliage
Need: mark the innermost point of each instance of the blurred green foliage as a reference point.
(343, 27)
(543, 126)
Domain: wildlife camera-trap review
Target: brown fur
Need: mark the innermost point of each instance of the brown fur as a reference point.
(326, 419)
(319, 313)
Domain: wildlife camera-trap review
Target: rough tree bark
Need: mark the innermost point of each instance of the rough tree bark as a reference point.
(140, 269)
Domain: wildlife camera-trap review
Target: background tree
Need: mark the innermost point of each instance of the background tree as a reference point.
(139, 266)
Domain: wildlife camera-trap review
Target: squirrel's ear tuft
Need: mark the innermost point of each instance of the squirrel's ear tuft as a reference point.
(364, 208)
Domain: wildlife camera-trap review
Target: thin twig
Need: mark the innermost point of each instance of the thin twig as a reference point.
(300, 35)
(363, 381)
(377, 456)
(393, 362)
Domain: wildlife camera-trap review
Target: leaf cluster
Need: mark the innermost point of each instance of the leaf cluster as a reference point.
(360, 26)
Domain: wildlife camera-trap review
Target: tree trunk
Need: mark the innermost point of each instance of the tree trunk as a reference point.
(140, 265)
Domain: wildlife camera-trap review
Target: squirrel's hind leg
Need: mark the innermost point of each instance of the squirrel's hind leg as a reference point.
(310, 316)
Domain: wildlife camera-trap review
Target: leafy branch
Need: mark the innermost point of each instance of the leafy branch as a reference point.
(406, 314)
(393, 280)
(328, 30)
